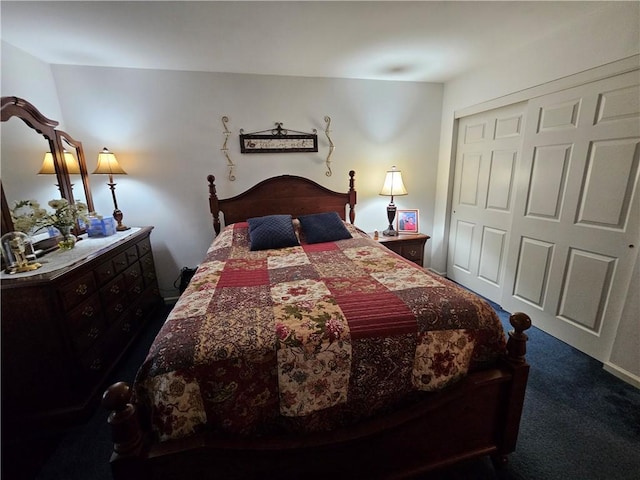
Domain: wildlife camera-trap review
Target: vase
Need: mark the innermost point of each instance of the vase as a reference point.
(68, 239)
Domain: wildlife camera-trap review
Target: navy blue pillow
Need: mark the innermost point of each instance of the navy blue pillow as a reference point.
(323, 227)
(271, 231)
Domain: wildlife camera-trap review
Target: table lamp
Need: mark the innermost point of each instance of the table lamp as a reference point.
(48, 167)
(108, 165)
(393, 186)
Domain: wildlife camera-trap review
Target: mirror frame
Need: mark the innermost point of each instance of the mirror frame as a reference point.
(21, 108)
(64, 138)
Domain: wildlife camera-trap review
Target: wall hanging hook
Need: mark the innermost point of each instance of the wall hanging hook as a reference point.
(225, 149)
(332, 147)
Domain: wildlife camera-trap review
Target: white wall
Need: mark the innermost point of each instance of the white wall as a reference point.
(22, 148)
(165, 128)
(30, 78)
(625, 356)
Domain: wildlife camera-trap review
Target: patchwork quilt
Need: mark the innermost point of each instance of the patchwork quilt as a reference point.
(308, 338)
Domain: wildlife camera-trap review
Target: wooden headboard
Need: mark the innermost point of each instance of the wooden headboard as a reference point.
(286, 194)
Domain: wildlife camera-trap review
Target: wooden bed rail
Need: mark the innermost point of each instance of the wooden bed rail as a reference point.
(131, 450)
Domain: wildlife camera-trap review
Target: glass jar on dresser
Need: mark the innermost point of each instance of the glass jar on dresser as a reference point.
(66, 326)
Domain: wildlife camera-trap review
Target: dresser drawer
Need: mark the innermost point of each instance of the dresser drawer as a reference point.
(147, 303)
(131, 254)
(106, 271)
(86, 324)
(148, 269)
(95, 361)
(132, 274)
(77, 290)
(114, 310)
(144, 247)
(135, 290)
(114, 290)
(120, 262)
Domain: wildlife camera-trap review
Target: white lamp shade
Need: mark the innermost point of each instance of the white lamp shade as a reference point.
(393, 184)
(48, 168)
(108, 163)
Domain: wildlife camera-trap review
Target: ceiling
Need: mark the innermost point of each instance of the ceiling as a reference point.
(426, 41)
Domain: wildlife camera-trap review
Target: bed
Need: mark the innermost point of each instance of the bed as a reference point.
(320, 355)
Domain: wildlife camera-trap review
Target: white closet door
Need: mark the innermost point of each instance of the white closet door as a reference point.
(482, 206)
(575, 228)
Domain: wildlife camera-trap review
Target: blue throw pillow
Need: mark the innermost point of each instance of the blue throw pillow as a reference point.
(323, 227)
(271, 231)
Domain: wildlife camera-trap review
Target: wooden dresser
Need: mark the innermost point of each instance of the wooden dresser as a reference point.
(64, 331)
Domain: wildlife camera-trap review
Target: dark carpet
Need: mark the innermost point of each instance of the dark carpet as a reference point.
(579, 423)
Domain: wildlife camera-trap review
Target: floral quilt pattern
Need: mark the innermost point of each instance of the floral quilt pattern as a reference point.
(307, 338)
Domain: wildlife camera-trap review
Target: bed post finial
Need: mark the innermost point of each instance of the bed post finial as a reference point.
(352, 197)
(517, 343)
(213, 204)
(123, 419)
(128, 445)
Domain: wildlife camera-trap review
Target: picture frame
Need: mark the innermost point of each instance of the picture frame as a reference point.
(278, 140)
(407, 221)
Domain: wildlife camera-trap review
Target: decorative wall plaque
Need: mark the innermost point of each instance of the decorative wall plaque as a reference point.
(278, 140)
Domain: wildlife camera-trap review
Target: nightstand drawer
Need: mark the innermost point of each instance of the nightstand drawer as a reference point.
(413, 251)
(410, 247)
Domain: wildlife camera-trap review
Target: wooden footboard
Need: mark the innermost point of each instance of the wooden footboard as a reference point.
(478, 416)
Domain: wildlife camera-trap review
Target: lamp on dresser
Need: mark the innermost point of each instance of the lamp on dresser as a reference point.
(49, 168)
(393, 186)
(108, 165)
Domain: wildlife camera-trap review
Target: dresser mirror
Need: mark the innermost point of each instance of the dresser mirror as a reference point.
(27, 135)
(70, 145)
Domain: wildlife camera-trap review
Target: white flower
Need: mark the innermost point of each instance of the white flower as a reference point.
(27, 215)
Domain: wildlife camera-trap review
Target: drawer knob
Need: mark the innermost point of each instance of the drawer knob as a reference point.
(93, 333)
(126, 327)
(139, 312)
(82, 289)
(137, 289)
(413, 253)
(119, 308)
(115, 289)
(88, 311)
(96, 365)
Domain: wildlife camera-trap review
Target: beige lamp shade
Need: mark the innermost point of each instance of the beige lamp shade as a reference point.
(393, 184)
(48, 168)
(108, 164)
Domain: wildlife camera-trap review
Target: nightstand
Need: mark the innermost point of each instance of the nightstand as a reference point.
(410, 246)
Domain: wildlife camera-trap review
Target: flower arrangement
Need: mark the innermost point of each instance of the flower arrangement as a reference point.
(29, 217)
